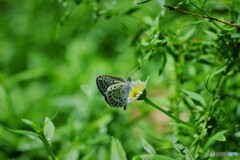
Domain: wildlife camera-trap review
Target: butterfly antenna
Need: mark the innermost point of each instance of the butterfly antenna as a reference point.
(129, 78)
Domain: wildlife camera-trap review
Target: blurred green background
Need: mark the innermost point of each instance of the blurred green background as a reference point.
(52, 51)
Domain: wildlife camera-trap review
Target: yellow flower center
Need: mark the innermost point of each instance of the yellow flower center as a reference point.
(136, 91)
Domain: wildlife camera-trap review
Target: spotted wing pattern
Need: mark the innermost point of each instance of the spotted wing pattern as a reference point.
(117, 94)
(104, 81)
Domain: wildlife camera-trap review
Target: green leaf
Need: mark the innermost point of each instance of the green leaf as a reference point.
(188, 154)
(196, 3)
(219, 136)
(161, 2)
(216, 137)
(237, 134)
(131, 11)
(202, 118)
(26, 75)
(48, 129)
(89, 155)
(217, 72)
(211, 34)
(151, 157)
(174, 139)
(143, 2)
(179, 147)
(163, 61)
(204, 2)
(73, 154)
(33, 125)
(23, 132)
(147, 147)
(117, 151)
(188, 34)
(195, 96)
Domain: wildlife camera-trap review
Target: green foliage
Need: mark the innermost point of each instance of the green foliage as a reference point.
(44, 133)
(117, 151)
(52, 51)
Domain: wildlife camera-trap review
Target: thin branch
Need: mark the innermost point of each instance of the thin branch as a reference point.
(203, 16)
(168, 114)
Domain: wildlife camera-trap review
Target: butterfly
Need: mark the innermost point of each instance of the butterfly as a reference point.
(118, 91)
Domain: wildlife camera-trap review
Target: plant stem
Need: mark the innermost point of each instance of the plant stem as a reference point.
(201, 136)
(48, 146)
(202, 16)
(167, 113)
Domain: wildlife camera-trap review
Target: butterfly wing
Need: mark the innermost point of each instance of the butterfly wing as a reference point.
(104, 81)
(117, 94)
